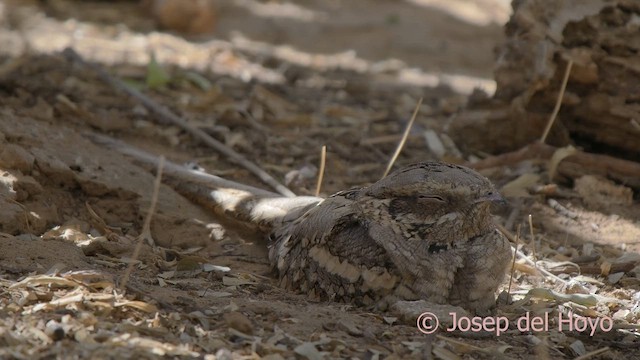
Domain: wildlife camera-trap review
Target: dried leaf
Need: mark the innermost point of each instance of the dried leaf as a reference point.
(527, 269)
(390, 320)
(587, 279)
(582, 299)
(211, 267)
(621, 314)
(167, 274)
(434, 143)
(216, 294)
(188, 263)
(276, 104)
(557, 157)
(239, 321)
(68, 299)
(519, 187)
(140, 305)
(232, 281)
(70, 232)
(578, 347)
(444, 354)
(38, 280)
(614, 278)
(56, 268)
(308, 351)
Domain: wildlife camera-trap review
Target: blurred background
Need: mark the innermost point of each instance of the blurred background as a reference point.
(430, 41)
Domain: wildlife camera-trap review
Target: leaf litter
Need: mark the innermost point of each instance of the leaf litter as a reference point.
(218, 301)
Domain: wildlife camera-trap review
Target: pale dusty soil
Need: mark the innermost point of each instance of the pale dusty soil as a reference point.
(277, 107)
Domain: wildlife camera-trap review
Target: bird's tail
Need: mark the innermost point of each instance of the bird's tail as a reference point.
(246, 203)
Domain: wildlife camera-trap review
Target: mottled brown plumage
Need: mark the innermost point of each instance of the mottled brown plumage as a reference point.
(423, 232)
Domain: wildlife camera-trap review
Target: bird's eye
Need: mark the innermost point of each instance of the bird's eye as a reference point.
(432, 198)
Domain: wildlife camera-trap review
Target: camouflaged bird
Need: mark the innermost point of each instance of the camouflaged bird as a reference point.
(423, 232)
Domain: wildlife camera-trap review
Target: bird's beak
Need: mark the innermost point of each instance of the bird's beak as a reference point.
(493, 196)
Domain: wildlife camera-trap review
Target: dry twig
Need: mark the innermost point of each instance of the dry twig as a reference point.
(323, 161)
(594, 269)
(556, 108)
(403, 140)
(513, 263)
(170, 117)
(520, 254)
(593, 353)
(151, 162)
(146, 228)
(574, 166)
(533, 241)
(244, 202)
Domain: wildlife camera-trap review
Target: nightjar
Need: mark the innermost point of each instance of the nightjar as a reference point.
(423, 232)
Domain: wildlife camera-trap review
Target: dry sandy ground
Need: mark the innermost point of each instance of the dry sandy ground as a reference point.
(71, 211)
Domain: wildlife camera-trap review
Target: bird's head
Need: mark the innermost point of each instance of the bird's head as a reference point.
(438, 197)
